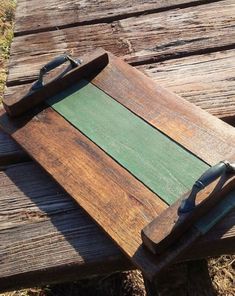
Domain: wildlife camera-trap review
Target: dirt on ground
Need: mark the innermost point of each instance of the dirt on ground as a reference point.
(221, 269)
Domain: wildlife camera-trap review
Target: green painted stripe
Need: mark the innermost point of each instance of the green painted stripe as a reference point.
(157, 161)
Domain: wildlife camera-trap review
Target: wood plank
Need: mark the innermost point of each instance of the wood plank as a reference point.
(154, 159)
(206, 80)
(35, 220)
(149, 37)
(20, 102)
(29, 15)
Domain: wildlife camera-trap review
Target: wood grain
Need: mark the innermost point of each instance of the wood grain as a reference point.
(206, 80)
(38, 218)
(45, 236)
(149, 37)
(70, 13)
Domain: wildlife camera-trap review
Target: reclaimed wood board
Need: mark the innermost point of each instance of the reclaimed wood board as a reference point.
(38, 218)
(29, 17)
(65, 153)
(142, 39)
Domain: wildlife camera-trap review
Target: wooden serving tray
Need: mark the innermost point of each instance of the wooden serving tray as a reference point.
(123, 147)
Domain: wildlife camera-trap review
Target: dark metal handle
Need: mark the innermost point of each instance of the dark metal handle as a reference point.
(56, 62)
(207, 178)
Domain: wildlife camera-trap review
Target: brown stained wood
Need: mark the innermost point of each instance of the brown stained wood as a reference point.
(70, 13)
(23, 101)
(38, 218)
(206, 80)
(170, 226)
(183, 122)
(148, 37)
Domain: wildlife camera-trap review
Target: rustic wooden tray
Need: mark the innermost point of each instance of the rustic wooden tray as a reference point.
(123, 147)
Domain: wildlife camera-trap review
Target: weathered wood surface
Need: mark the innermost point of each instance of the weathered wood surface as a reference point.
(37, 218)
(206, 80)
(62, 14)
(138, 39)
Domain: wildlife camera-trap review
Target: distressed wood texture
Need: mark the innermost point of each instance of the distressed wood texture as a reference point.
(206, 80)
(38, 218)
(138, 39)
(62, 13)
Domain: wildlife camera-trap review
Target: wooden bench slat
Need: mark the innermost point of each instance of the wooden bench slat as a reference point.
(205, 80)
(46, 237)
(137, 39)
(67, 13)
